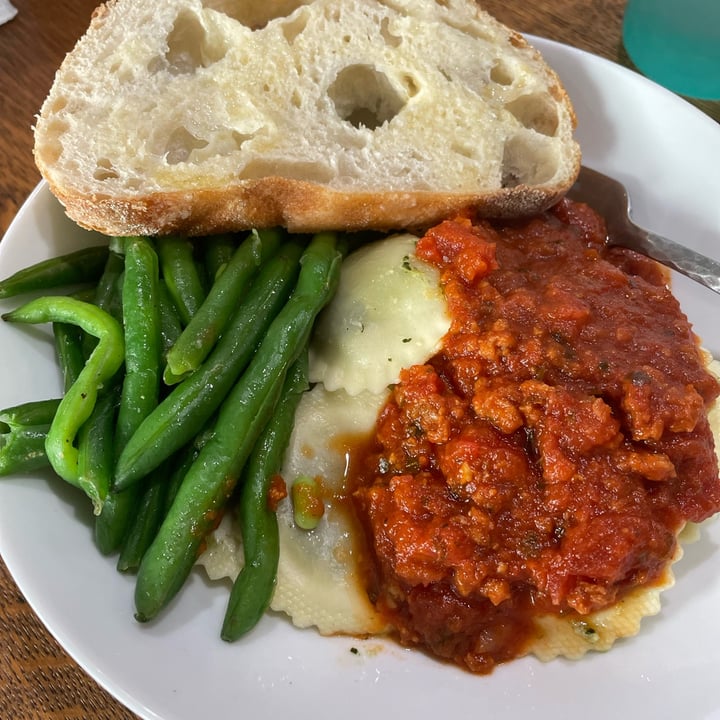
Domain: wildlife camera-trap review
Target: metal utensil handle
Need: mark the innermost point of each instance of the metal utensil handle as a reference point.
(694, 265)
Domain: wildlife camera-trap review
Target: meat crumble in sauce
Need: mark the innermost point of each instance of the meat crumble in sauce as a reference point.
(546, 458)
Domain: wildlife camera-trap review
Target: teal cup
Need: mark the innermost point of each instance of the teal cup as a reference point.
(676, 43)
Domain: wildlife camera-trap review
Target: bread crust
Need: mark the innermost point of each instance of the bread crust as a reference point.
(298, 206)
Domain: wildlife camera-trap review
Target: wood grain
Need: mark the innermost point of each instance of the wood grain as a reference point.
(38, 681)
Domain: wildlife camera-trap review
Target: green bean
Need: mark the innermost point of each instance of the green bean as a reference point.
(23, 450)
(81, 266)
(141, 382)
(197, 508)
(108, 295)
(29, 414)
(23, 429)
(183, 461)
(206, 325)
(181, 275)
(71, 343)
(212, 478)
(111, 526)
(141, 321)
(77, 404)
(170, 327)
(69, 351)
(191, 403)
(145, 522)
(253, 587)
(86, 294)
(218, 251)
(95, 443)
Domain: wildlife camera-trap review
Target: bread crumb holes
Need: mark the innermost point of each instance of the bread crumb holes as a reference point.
(535, 111)
(189, 47)
(256, 14)
(104, 170)
(364, 97)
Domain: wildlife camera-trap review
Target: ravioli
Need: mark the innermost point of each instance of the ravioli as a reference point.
(573, 637)
(388, 313)
(319, 577)
(319, 582)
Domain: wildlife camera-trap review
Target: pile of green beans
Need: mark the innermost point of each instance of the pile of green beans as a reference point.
(182, 362)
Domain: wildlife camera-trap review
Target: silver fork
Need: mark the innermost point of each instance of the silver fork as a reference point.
(609, 198)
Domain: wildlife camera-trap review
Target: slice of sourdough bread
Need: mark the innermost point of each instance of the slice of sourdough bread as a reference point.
(202, 116)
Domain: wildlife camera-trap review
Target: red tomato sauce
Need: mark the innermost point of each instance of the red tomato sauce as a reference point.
(546, 458)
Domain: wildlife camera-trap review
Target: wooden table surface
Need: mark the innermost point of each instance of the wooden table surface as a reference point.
(37, 678)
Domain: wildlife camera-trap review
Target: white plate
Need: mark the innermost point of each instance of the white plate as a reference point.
(667, 153)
